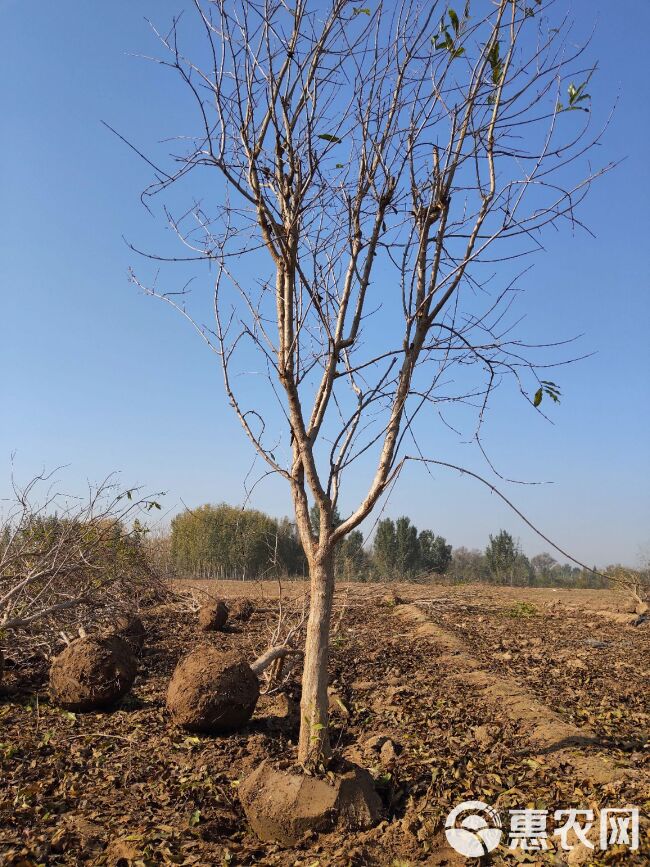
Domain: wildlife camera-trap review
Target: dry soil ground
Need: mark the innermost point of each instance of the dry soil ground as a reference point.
(481, 697)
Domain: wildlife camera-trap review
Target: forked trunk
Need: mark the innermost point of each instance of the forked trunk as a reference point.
(314, 746)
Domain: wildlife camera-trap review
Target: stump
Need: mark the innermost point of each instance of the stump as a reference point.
(212, 691)
(131, 630)
(213, 616)
(282, 806)
(92, 673)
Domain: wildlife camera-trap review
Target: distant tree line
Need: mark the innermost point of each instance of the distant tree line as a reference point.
(400, 551)
(222, 541)
(503, 562)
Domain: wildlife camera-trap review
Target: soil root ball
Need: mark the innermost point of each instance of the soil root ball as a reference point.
(131, 630)
(282, 806)
(92, 673)
(213, 616)
(243, 610)
(212, 691)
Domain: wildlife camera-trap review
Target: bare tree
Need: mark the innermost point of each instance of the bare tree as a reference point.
(68, 562)
(634, 583)
(375, 164)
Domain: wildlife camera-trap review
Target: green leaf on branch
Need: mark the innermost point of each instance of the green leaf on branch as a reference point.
(548, 388)
(443, 40)
(576, 96)
(496, 64)
(361, 10)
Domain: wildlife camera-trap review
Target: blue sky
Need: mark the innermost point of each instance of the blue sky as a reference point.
(100, 378)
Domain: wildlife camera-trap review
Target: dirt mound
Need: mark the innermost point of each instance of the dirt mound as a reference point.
(242, 610)
(212, 691)
(391, 599)
(92, 673)
(131, 630)
(282, 806)
(213, 616)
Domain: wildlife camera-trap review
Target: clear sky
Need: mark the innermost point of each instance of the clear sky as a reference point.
(100, 378)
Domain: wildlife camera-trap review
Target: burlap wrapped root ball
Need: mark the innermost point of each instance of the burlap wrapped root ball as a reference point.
(213, 616)
(212, 691)
(92, 673)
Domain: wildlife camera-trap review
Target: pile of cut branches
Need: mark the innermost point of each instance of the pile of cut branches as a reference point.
(69, 563)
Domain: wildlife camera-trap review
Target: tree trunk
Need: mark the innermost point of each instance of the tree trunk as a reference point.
(314, 745)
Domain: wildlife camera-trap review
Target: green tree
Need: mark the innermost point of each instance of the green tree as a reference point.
(353, 562)
(524, 574)
(314, 517)
(435, 553)
(407, 548)
(226, 539)
(501, 555)
(384, 549)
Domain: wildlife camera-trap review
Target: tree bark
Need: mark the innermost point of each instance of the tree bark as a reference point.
(313, 745)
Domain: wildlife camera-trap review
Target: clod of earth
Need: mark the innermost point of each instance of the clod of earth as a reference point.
(213, 616)
(242, 610)
(387, 748)
(131, 630)
(388, 754)
(92, 673)
(375, 742)
(391, 599)
(212, 691)
(282, 806)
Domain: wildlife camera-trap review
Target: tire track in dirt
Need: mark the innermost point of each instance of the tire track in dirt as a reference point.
(546, 732)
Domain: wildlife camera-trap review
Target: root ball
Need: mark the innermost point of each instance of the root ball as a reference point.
(243, 610)
(132, 631)
(213, 616)
(212, 691)
(92, 673)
